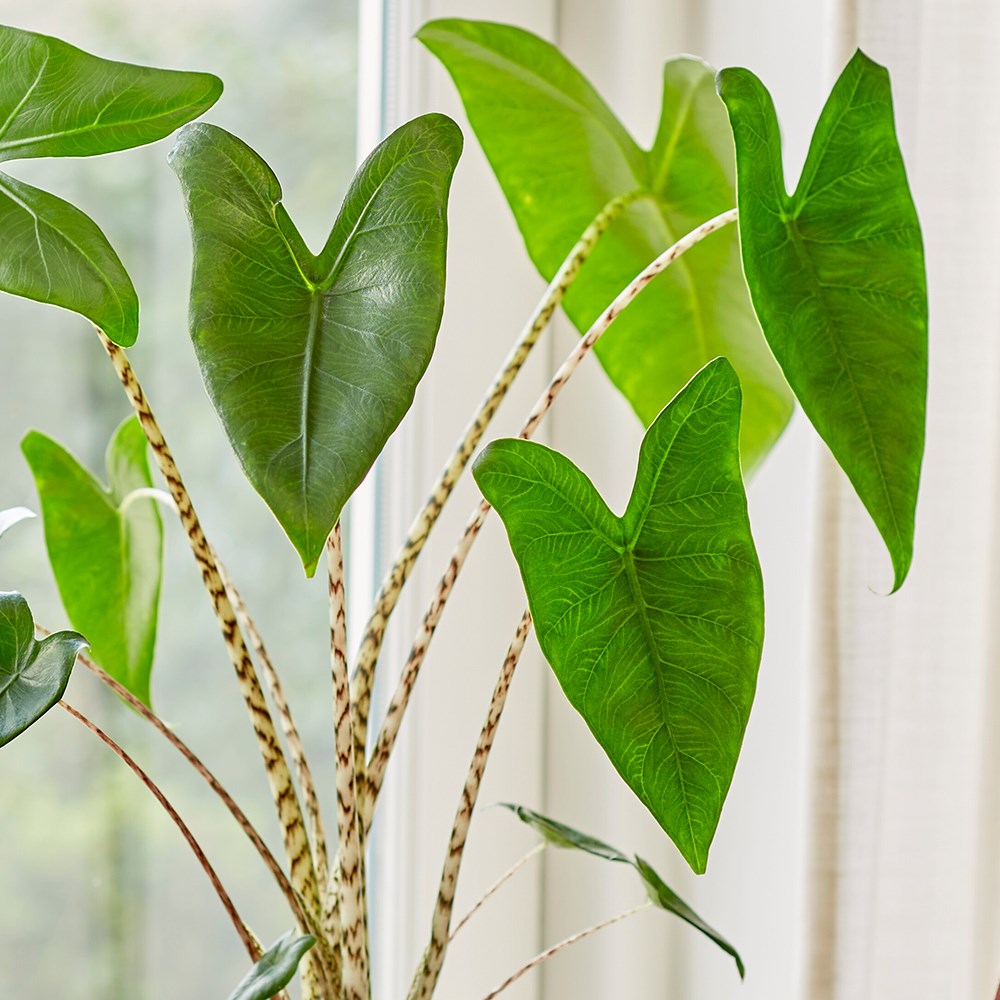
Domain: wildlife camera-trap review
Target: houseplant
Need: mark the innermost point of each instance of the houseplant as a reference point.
(835, 276)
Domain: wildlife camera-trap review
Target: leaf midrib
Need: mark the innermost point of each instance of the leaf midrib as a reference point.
(647, 630)
(791, 226)
(94, 127)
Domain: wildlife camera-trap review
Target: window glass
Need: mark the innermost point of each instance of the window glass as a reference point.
(100, 895)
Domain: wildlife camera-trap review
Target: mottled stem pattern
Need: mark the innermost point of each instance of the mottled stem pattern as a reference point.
(351, 882)
(303, 875)
(392, 585)
(497, 885)
(310, 799)
(565, 943)
(427, 974)
(400, 699)
(248, 939)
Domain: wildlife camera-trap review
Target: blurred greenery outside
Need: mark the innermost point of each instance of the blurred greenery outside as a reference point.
(100, 895)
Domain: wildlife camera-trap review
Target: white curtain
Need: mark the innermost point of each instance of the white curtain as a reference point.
(857, 857)
(904, 894)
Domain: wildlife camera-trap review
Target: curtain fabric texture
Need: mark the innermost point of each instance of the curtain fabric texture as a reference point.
(903, 872)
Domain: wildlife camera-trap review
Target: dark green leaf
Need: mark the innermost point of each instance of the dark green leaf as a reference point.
(106, 549)
(311, 362)
(559, 835)
(665, 897)
(13, 515)
(652, 622)
(51, 252)
(33, 675)
(56, 100)
(836, 272)
(561, 155)
(275, 969)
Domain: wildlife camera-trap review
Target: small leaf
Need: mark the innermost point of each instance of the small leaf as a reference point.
(106, 556)
(836, 272)
(33, 674)
(275, 968)
(664, 897)
(11, 516)
(560, 835)
(561, 155)
(652, 622)
(56, 100)
(312, 361)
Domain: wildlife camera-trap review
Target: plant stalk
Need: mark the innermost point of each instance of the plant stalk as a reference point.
(248, 939)
(310, 800)
(565, 943)
(498, 884)
(397, 707)
(388, 595)
(303, 874)
(306, 924)
(429, 970)
(351, 883)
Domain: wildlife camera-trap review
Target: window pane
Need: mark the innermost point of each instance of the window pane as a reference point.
(101, 897)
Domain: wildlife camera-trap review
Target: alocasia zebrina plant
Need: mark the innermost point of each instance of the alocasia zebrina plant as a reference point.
(652, 620)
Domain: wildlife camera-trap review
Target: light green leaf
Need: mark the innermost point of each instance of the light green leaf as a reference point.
(652, 622)
(275, 968)
(562, 836)
(836, 272)
(106, 549)
(33, 675)
(56, 100)
(312, 361)
(12, 516)
(560, 155)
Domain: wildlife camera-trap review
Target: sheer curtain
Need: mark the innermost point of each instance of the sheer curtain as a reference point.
(856, 858)
(904, 826)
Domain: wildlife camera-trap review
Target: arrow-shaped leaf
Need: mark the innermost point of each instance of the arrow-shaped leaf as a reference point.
(836, 271)
(560, 155)
(275, 968)
(12, 516)
(652, 622)
(312, 361)
(559, 835)
(106, 549)
(33, 674)
(56, 100)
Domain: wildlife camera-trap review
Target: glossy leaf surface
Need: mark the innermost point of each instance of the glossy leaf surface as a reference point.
(106, 549)
(56, 100)
(559, 835)
(33, 674)
(560, 155)
(12, 516)
(836, 271)
(652, 622)
(312, 361)
(275, 968)
(51, 252)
